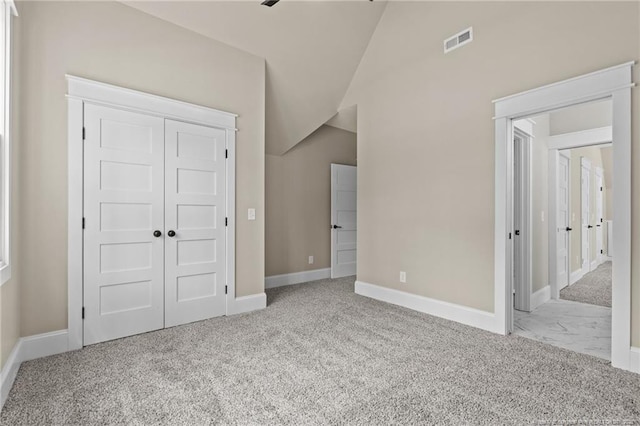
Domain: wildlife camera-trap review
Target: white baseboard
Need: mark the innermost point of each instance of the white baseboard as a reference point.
(247, 304)
(9, 373)
(296, 278)
(45, 344)
(462, 314)
(575, 276)
(634, 360)
(594, 265)
(608, 258)
(26, 349)
(540, 297)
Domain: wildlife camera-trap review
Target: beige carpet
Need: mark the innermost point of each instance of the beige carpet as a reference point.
(319, 354)
(594, 288)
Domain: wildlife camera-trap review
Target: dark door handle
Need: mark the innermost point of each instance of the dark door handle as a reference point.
(517, 232)
(157, 233)
(171, 233)
(589, 226)
(569, 229)
(598, 226)
(336, 227)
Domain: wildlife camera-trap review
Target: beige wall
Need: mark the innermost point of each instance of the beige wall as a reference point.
(581, 117)
(298, 200)
(540, 203)
(116, 44)
(593, 154)
(426, 134)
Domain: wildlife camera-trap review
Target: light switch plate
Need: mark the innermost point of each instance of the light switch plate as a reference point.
(251, 215)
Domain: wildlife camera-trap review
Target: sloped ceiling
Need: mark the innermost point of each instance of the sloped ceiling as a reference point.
(312, 50)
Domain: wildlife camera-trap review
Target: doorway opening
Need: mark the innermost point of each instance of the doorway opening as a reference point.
(614, 84)
(561, 160)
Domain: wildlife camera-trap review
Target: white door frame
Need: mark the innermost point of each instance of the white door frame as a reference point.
(81, 91)
(523, 288)
(615, 83)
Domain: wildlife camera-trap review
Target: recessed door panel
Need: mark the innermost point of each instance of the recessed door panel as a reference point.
(195, 260)
(123, 205)
(343, 220)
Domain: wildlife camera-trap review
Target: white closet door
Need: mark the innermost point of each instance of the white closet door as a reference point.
(564, 221)
(343, 220)
(195, 194)
(123, 206)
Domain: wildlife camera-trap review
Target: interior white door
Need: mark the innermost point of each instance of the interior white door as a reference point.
(123, 206)
(563, 234)
(195, 276)
(521, 206)
(599, 213)
(343, 220)
(585, 199)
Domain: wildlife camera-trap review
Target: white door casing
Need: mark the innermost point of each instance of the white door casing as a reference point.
(195, 174)
(585, 214)
(563, 220)
(599, 184)
(123, 205)
(615, 83)
(343, 220)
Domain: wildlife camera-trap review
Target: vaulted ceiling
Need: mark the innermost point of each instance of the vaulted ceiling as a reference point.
(312, 50)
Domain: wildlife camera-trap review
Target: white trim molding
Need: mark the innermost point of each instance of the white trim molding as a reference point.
(296, 278)
(81, 91)
(240, 305)
(576, 276)
(9, 372)
(27, 349)
(540, 297)
(597, 136)
(450, 311)
(613, 83)
(634, 359)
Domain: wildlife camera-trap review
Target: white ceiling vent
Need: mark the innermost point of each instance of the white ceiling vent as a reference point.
(458, 40)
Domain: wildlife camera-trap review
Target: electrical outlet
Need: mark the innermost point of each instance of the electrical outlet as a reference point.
(310, 260)
(542, 215)
(251, 214)
(403, 277)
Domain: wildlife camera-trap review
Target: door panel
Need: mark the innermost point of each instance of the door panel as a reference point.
(195, 184)
(123, 205)
(585, 189)
(563, 235)
(343, 215)
(599, 215)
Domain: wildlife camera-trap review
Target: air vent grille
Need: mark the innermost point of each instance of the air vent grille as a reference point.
(458, 40)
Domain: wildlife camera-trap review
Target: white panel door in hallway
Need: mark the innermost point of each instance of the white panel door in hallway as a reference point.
(343, 220)
(563, 233)
(195, 173)
(124, 222)
(599, 214)
(585, 200)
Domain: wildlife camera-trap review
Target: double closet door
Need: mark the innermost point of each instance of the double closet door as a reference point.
(154, 223)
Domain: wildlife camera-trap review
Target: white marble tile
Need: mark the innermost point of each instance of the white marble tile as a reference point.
(571, 325)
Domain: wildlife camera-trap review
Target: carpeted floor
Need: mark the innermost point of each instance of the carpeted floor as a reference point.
(594, 288)
(319, 354)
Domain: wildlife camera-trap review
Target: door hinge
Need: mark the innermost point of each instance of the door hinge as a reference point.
(83, 312)
(601, 189)
(226, 153)
(601, 251)
(83, 223)
(84, 133)
(509, 235)
(226, 289)
(226, 221)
